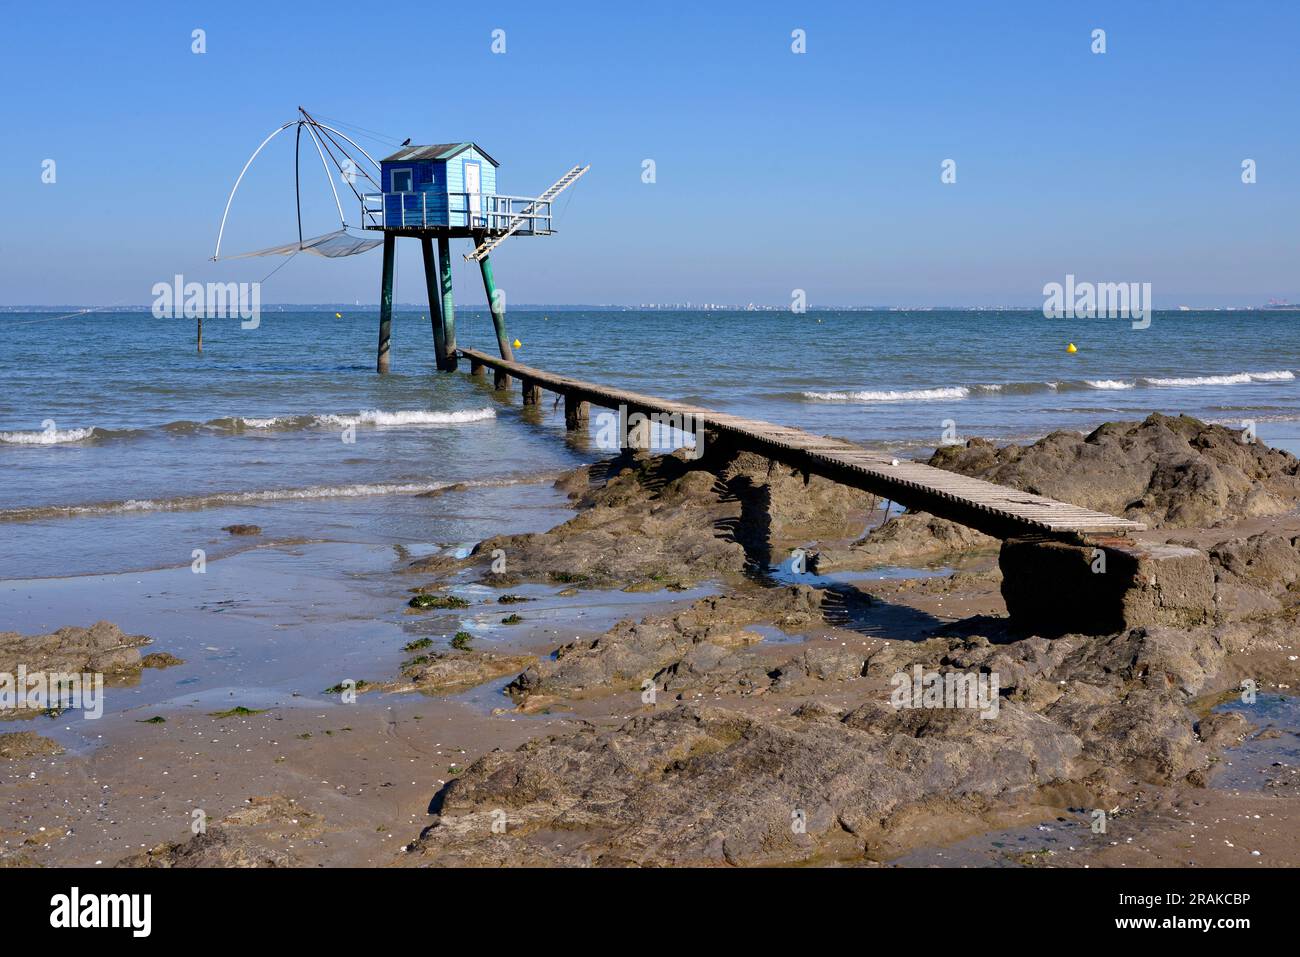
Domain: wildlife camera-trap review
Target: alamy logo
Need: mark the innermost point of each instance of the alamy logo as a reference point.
(103, 910)
(948, 689)
(1105, 300)
(215, 300)
(54, 690)
(653, 431)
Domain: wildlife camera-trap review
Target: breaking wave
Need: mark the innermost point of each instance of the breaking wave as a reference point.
(47, 436)
(903, 395)
(235, 425)
(1239, 378)
(1114, 384)
(380, 418)
(1012, 388)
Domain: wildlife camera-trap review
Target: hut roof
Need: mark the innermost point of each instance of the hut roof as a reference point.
(437, 151)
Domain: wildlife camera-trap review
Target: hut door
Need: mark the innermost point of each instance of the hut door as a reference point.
(473, 186)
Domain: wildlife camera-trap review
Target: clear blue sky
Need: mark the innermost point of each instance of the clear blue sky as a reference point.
(775, 171)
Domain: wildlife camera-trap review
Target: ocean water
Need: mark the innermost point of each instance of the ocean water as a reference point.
(121, 448)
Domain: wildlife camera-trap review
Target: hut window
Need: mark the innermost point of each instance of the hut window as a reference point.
(401, 180)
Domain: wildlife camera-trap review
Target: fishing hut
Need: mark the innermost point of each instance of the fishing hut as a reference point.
(434, 193)
(439, 193)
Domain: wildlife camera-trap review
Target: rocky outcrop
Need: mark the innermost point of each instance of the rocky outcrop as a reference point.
(442, 672)
(704, 647)
(705, 785)
(1257, 576)
(712, 785)
(669, 520)
(102, 648)
(1169, 472)
(261, 833)
(17, 745)
(799, 754)
(906, 539)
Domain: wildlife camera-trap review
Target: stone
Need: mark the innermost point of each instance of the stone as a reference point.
(1054, 587)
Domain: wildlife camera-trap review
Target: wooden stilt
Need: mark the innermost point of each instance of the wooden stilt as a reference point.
(500, 380)
(386, 304)
(576, 412)
(532, 392)
(435, 303)
(476, 368)
(638, 436)
(496, 305)
(200, 333)
(448, 304)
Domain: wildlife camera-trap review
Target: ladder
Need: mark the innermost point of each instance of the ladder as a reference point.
(519, 221)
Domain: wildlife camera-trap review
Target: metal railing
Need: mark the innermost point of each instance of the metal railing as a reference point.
(490, 212)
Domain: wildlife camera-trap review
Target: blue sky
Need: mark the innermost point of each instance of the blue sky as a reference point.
(775, 171)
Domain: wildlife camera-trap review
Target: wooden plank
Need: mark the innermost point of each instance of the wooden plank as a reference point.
(994, 509)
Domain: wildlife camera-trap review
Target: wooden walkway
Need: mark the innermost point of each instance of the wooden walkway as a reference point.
(993, 509)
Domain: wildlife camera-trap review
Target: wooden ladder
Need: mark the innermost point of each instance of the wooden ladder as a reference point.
(518, 222)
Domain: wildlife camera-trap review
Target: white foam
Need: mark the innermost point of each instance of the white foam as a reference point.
(901, 395)
(1239, 378)
(378, 417)
(1110, 384)
(46, 436)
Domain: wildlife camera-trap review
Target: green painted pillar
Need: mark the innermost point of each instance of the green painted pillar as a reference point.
(435, 303)
(448, 304)
(496, 306)
(386, 303)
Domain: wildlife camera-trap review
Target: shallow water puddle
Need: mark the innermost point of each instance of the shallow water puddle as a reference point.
(774, 635)
(590, 611)
(1270, 755)
(1024, 846)
(786, 574)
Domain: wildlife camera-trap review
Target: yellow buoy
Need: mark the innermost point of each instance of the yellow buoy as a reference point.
(338, 315)
(1071, 348)
(518, 344)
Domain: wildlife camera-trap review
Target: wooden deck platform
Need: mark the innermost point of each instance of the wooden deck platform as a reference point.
(993, 509)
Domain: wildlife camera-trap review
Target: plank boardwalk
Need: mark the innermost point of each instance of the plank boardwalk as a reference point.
(993, 509)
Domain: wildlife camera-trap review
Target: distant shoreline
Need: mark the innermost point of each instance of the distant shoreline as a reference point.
(571, 307)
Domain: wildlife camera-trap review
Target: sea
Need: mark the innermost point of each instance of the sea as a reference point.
(123, 448)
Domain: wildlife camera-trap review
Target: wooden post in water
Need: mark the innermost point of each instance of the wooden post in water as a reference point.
(386, 304)
(638, 436)
(576, 412)
(448, 304)
(475, 367)
(435, 303)
(200, 332)
(532, 392)
(495, 305)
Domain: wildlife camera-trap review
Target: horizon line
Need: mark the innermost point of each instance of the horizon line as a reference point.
(1281, 306)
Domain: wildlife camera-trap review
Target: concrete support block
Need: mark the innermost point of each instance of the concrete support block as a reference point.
(1104, 586)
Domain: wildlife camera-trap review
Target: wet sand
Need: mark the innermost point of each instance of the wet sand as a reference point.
(269, 628)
